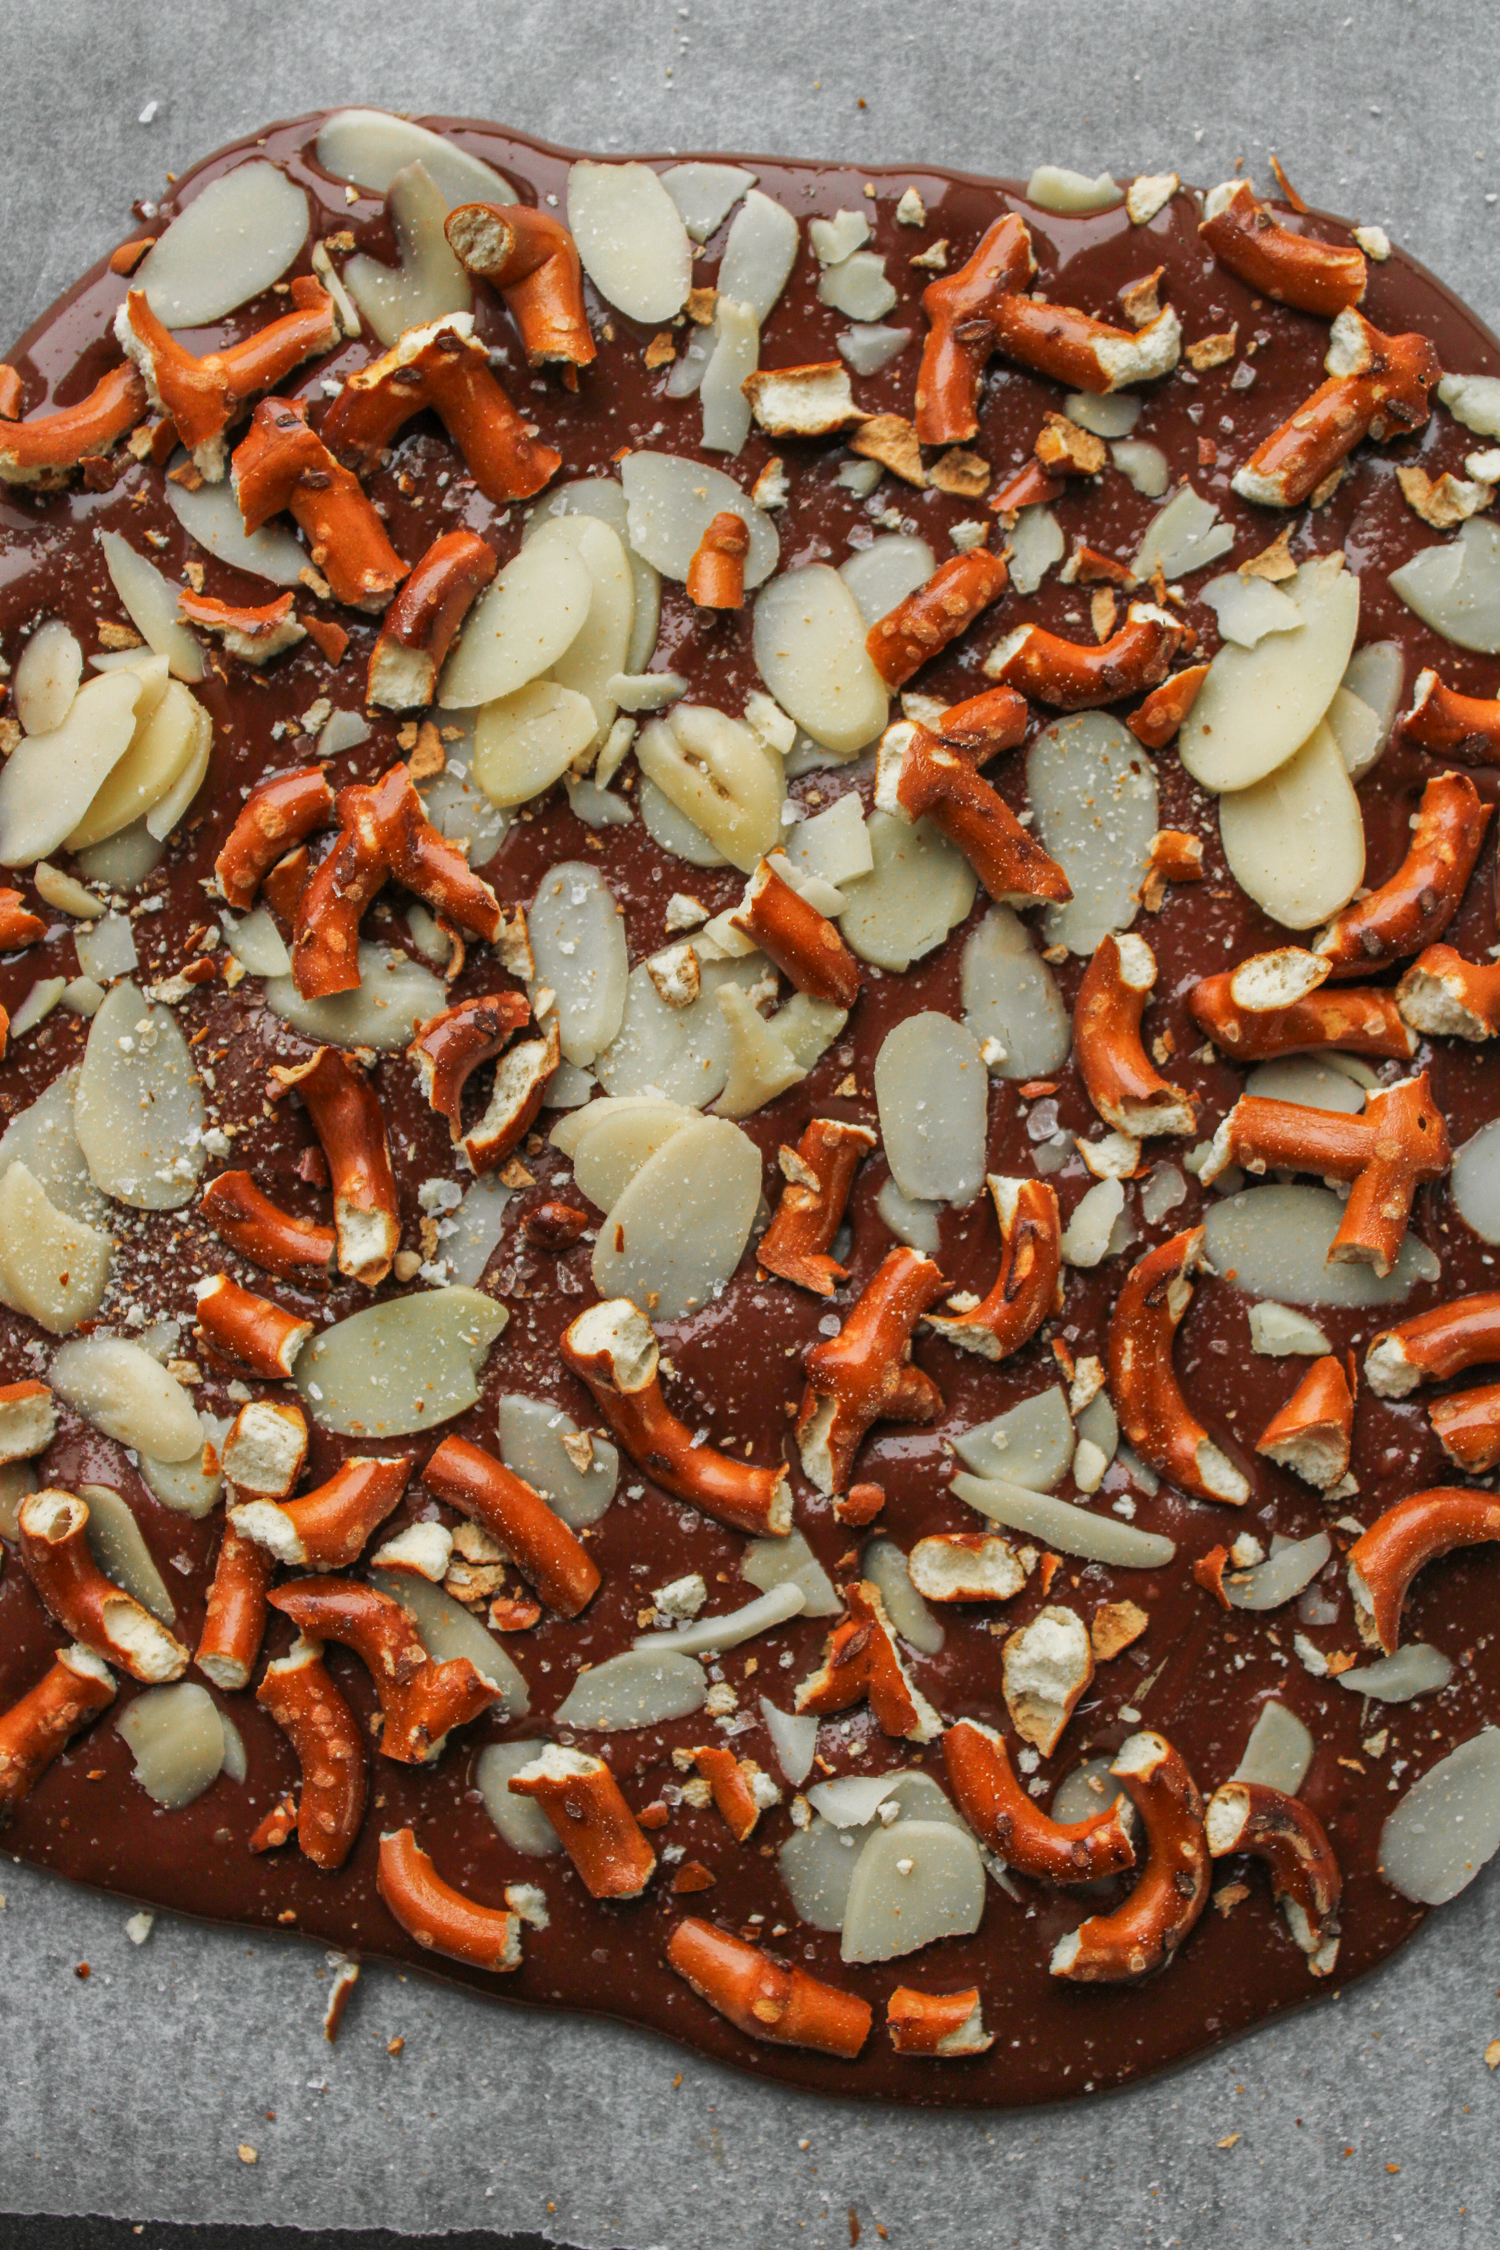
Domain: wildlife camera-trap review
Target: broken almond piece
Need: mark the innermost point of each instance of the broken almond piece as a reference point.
(532, 259)
(442, 366)
(764, 1997)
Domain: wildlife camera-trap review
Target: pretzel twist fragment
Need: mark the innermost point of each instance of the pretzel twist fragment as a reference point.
(795, 1246)
(273, 1239)
(936, 2023)
(935, 614)
(1312, 1434)
(1122, 1084)
(440, 1918)
(1466, 727)
(203, 397)
(254, 635)
(862, 1664)
(520, 1084)
(1084, 353)
(422, 1701)
(732, 1788)
(28, 1419)
(1433, 1345)
(38, 1727)
(716, 573)
(276, 816)
(1386, 1558)
(1251, 1817)
(918, 775)
(1377, 387)
(443, 366)
(18, 925)
(1028, 1287)
(961, 334)
(864, 1374)
(1011, 1824)
(1415, 905)
(325, 1734)
(234, 1622)
(611, 1349)
(44, 452)
(533, 261)
(1073, 676)
(1446, 997)
(592, 1821)
(1155, 721)
(1143, 1381)
(422, 622)
(1295, 269)
(281, 465)
(1144, 1933)
(1399, 1142)
(765, 1998)
(76, 1594)
(547, 1554)
(261, 1337)
(350, 1125)
(803, 943)
(451, 1046)
(1275, 1004)
(1467, 1427)
(330, 1527)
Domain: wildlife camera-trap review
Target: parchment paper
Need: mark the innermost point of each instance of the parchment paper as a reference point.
(1370, 2119)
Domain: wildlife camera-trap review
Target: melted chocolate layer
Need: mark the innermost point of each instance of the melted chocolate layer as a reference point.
(1198, 1676)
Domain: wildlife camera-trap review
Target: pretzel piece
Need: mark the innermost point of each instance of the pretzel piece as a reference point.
(253, 635)
(1122, 1084)
(282, 465)
(256, 1335)
(43, 453)
(1433, 1345)
(422, 1701)
(330, 1527)
(521, 1080)
(961, 334)
(1277, 1004)
(1155, 721)
(934, 614)
(1172, 1892)
(864, 1374)
(862, 1663)
(1313, 1432)
(440, 1918)
(38, 1727)
(325, 1734)
(803, 943)
(1086, 354)
(818, 1173)
(918, 775)
(1377, 387)
(1466, 727)
(766, 1998)
(611, 1348)
(1467, 1427)
(1143, 1381)
(18, 925)
(1251, 1817)
(1415, 905)
(203, 397)
(1386, 1558)
(1028, 1287)
(28, 1418)
(592, 1821)
(1072, 676)
(350, 1125)
(1446, 997)
(422, 622)
(716, 574)
(445, 367)
(532, 260)
(1011, 1824)
(1295, 269)
(450, 1047)
(539, 1543)
(936, 2023)
(277, 815)
(76, 1594)
(1400, 1141)
(234, 1622)
(261, 1231)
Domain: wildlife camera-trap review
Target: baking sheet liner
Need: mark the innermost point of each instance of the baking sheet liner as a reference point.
(187, 2077)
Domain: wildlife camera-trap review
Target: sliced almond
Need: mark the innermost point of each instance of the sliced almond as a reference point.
(1259, 705)
(1295, 840)
(682, 1224)
(809, 641)
(48, 671)
(237, 236)
(407, 1365)
(631, 238)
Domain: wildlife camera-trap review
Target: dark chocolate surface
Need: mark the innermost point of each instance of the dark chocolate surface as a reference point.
(1208, 1674)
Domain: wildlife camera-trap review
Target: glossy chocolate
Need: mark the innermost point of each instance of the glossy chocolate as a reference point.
(1198, 1675)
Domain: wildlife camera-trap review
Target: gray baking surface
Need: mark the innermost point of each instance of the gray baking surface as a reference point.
(1369, 2119)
